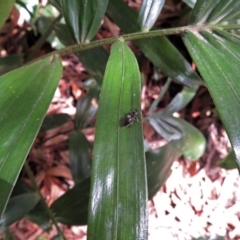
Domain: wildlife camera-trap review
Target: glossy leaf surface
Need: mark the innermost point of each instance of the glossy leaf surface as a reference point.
(83, 17)
(118, 199)
(72, 207)
(159, 50)
(149, 13)
(25, 95)
(217, 55)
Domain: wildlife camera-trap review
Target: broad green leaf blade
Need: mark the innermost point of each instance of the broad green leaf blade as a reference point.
(83, 17)
(118, 184)
(229, 162)
(80, 161)
(215, 12)
(159, 162)
(5, 9)
(38, 214)
(72, 207)
(10, 62)
(25, 95)
(159, 50)
(53, 121)
(20, 188)
(174, 128)
(17, 208)
(217, 55)
(149, 13)
(97, 67)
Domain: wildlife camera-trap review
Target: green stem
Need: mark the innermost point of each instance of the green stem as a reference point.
(107, 41)
(131, 36)
(35, 186)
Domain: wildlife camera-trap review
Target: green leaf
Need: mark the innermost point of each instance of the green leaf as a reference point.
(171, 128)
(159, 162)
(25, 95)
(83, 17)
(159, 50)
(72, 207)
(215, 12)
(80, 161)
(118, 184)
(10, 62)
(62, 32)
(20, 188)
(40, 216)
(17, 208)
(85, 110)
(229, 162)
(149, 13)
(53, 121)
(217, 55)
(5, 9)
(97, 67)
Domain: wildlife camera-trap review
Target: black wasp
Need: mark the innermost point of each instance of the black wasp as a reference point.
(130, 118)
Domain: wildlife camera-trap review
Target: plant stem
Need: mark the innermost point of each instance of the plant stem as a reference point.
(133, 36)
(35, 186)
(107, 41)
